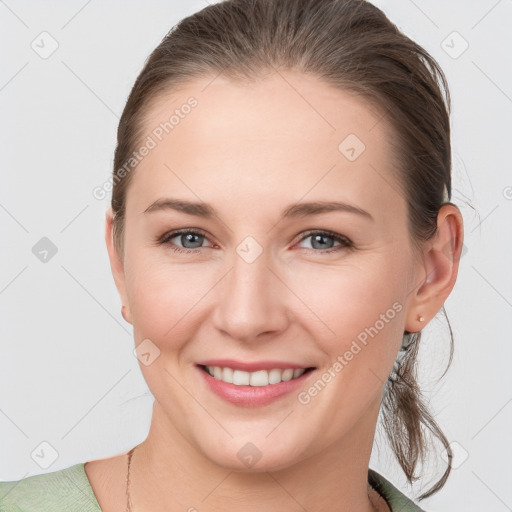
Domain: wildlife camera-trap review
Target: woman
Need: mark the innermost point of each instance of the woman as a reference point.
(280, 234)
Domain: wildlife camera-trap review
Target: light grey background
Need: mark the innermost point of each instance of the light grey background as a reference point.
(68, 374)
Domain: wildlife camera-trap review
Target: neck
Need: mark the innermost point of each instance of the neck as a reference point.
(168, 473)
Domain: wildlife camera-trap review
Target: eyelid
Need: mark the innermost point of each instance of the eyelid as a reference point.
(166, 237)
(344, 242)
(336, 236)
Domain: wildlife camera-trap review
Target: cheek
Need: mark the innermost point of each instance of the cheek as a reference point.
(360, 304)
(165, 299)
(362, 317)
(355, 293)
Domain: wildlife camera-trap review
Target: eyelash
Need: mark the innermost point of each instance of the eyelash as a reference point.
(345, 243)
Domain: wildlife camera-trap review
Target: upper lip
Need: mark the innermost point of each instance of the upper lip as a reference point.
(252, 366)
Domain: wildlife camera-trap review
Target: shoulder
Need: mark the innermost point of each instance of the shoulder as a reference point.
(67, 490)
(397, 501)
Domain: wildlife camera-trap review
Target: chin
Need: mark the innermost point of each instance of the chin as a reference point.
(255, 456)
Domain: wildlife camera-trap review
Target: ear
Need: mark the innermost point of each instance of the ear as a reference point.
(438, 269)
(116, 265)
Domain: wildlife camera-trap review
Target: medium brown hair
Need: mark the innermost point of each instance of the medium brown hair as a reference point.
(353, 46)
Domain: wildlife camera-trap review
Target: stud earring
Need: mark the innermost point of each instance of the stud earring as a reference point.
(421, 318)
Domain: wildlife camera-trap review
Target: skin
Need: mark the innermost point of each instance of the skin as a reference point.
(250, 151)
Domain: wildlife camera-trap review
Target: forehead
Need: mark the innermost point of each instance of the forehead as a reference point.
(284, 136)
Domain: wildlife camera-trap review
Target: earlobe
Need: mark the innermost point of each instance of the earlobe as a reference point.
(125, 312)
(439, 267)
(116, 264)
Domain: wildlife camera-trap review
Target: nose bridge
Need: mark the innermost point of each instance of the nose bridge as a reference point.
(249, 301)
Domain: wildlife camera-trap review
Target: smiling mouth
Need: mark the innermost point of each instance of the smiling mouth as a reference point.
(256, 379)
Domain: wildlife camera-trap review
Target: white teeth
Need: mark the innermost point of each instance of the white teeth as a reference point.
(274, 376)
(227, 374)
(287, 374)
(241, 378)
(258, 378)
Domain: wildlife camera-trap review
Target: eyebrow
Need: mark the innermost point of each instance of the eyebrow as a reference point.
(297, 210)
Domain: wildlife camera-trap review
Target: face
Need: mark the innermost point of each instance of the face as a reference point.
(296, 255)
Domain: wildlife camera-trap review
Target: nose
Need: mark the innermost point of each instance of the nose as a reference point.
(251, 301)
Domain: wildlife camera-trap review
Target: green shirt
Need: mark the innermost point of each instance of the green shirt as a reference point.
(69, 490)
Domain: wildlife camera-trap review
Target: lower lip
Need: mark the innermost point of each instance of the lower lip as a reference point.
(252, 396)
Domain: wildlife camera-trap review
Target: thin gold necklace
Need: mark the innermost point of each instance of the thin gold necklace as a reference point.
(129, 501)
